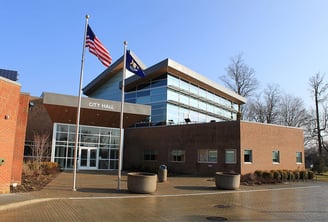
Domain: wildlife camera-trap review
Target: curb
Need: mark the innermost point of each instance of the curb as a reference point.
(24, 203)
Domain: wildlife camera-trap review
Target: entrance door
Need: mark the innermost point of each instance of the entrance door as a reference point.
(88, 158)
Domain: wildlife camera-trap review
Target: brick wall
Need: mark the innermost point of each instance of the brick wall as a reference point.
(263, 139)
(189, 138)
(20, 138)
(235, 135)
(9, 100)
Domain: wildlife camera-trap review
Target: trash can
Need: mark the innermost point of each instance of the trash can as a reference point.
(162, 173)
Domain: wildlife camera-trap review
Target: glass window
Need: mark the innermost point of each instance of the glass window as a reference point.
(299, 158)
(172, 95)
(172, 81)
(184, 99)
(62, 128)
(130, 100)
(248, 156)
(90, 136)
(202, 105)
(207, 156)
(87, 138)
(103, 154)
(103, 164)
(143, 100)
(161, 82)
(114, 154)
(61, 136)
(158, 91)
(143, 93)
(193, 89)
(150, 155)
(212, 156)
(130, 95)
(184, 85)
(275, 156)
(230, 156)
(193, 102)
(158, 98)
(178, 155)
(202, 93)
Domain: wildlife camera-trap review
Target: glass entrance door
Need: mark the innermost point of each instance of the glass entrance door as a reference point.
(88, 158)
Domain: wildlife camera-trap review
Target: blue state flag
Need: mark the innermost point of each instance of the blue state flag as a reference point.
(133, 66)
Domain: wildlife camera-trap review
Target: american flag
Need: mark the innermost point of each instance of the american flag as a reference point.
(97, 48)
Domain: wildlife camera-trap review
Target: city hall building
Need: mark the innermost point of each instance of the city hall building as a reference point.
(172, 116)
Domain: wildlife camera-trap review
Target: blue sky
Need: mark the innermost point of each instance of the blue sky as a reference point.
(285, 41)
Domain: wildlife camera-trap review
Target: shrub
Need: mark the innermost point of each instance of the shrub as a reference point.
(310, 175)
(49, 167)
(291, 175)
(36, 168)
(30, 168)
(267, 176)
(297, 175)
(276, 175)
(284, 174)
(303, 175)
(258, 173)
(249, 178)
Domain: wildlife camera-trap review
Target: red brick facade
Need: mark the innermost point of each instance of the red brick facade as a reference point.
(237, 136)
(263, 139)
(13, 120)
(20, 138)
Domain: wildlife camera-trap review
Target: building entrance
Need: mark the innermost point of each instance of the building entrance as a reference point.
(98, 147)
(88, 158)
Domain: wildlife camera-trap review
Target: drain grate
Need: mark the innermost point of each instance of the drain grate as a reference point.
(216, 218)
(222, 206)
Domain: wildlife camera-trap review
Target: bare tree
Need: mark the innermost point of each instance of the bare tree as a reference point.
(256, 111)
(40, 150)
(240, 78)
(292, 111)
(272, 99)
(318, 89)
(265, 108)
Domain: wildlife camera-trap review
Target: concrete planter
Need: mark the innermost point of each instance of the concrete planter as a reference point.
(227, 181)
(140, 182)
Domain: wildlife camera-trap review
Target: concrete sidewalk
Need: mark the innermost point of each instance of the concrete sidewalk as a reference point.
(97, 184)
(178, 199)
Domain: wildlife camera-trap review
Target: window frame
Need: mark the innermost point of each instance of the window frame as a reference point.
(251, 156)
(274, 159)
(174, 157)
(297, 158)
(206, 158)
(151, 153)
(234, 161)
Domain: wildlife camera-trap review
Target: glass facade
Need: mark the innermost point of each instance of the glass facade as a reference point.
(174, 100)
(98, 147)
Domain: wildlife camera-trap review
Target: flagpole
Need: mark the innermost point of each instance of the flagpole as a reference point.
(79, 106)
(120, 156)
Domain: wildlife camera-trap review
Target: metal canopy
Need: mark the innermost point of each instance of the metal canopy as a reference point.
(94, 112)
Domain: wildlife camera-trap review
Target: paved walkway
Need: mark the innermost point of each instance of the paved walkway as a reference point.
(179, 199)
